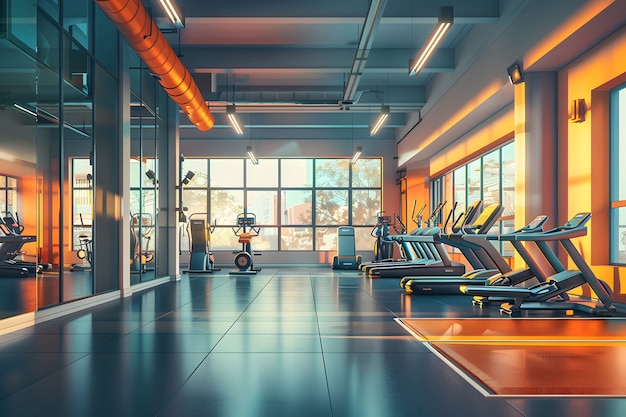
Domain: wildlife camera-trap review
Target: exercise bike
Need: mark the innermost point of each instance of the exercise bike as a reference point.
(84, 251)
(199, 231)
(246, 229)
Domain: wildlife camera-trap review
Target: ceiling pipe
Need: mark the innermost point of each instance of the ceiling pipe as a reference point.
(143, 35)
(374, 14)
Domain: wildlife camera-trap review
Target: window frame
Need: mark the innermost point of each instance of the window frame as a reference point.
(312, 229)
(617, 143)
(458, 179)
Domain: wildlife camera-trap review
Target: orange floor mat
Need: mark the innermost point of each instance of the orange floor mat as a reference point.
(518, 329)
(532, 357)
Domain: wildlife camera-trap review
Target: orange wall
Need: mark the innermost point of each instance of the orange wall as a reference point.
(584, 150)
(498, 129)
(418, 190)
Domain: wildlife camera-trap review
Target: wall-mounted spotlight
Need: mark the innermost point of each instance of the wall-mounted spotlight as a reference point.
(232, 117)
(446, 18)
(251, 155)
(182, 218)
(380, 120)
(188, 176)
(515, 74)
(152, 176)
(357, 154)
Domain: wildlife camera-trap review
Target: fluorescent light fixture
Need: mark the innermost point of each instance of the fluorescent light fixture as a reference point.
(357, 154)
(446, 17)
(172, 13)
(25, 109)
(380, 121)
(232, 117)
(251, 155)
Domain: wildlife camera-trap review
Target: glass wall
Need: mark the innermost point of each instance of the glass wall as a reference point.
(18, 158)
(489, 178)
(618, 176)
(58, 154)
(298, 203)
(144, 175)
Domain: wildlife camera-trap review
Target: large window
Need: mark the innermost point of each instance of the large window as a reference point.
(618, 176)
(489, 178)
(8, 194)
(298, 203)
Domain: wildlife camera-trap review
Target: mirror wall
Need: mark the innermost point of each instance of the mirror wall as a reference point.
(60, 170)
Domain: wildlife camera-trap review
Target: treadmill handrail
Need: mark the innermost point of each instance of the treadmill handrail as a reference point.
(575, 227)
(548, 235)
(429, 236)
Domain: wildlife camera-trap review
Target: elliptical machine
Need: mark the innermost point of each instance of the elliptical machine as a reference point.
(246, 229)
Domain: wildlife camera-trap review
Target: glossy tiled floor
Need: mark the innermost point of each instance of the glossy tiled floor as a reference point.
(287, 342)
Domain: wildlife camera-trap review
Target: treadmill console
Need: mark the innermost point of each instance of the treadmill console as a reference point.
(578, 220)
(536, 225)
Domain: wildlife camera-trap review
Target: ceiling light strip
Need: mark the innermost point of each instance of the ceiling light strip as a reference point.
(446, 18)
(251, 155)
(357, 154)
(172, 13)
(232, 117)
(380, 121)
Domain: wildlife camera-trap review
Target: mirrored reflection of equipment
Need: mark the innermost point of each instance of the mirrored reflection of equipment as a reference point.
(346, 250)
(12, 264)
(141, 227)
(246, 229)
(199, 230)
(84, 251)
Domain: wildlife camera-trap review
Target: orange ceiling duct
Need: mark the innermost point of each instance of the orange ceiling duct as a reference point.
(143, 35)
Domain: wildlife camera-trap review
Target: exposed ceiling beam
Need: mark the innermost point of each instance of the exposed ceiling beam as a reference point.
(330, 9)
(322, 60)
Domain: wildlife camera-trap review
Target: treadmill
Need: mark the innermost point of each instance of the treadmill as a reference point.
(8, 267)
(552, 294)
(482, 247)
(483, 265)
(442, 266)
